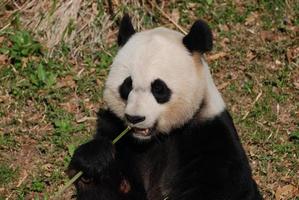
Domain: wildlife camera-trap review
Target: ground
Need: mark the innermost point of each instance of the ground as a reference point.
(55, 56)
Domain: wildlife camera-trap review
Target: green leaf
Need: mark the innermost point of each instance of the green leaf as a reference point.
(71, 149)
(209, 2)
(51, 79)
(63, 126)
(25, 52)
(41, 73)
(33, 79)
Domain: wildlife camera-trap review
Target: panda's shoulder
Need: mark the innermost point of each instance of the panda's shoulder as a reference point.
(216, 136)
(214, 147)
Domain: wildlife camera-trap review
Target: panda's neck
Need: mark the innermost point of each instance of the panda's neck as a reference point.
(212, 103)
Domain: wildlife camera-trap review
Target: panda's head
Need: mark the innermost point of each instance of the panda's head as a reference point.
(158, 79)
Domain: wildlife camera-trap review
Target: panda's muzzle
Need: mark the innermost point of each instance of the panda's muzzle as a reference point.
(137, 131)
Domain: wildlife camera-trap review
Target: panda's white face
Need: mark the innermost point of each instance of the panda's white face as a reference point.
(155, 84)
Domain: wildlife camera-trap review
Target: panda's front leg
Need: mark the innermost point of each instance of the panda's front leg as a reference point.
(102, 177)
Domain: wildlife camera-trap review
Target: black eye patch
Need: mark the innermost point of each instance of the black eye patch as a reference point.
(160, 91)
(125, 88)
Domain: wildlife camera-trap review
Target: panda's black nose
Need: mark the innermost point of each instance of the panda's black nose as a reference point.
(134, 119)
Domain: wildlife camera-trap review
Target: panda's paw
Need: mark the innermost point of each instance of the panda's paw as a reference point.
(96, 159)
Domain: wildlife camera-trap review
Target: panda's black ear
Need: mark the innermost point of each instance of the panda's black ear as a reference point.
(199, 38)
(126, 30)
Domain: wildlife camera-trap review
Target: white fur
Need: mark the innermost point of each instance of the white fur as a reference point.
(160, 53)
(214, 103)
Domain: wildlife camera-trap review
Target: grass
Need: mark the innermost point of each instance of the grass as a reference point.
(50, 91)
(7, 174)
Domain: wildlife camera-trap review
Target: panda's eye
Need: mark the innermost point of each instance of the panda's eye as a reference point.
(160, 91)
(125, 88)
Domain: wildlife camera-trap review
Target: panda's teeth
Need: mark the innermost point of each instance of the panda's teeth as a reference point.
(145, 132)
(142, 131)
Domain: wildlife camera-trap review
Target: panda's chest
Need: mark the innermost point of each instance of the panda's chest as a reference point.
(157, 168)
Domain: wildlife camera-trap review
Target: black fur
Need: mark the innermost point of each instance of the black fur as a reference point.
(203, 161)
(199, 38)
(126, 30)
(160, 91)
(125, 88)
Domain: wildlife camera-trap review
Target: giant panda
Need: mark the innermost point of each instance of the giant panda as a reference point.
(183, 144)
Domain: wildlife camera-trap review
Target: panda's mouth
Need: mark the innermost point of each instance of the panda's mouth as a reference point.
(145, 132)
